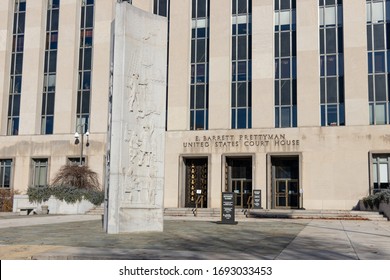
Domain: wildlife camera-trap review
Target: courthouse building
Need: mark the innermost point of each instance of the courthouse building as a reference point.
(290, 97)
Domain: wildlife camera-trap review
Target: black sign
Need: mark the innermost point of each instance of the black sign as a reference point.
(257, 199)
(228, 208)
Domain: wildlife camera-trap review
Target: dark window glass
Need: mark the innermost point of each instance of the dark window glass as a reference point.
(284, 4)
(370, 89)
(330, 40)
(322, 86)
(200, 73)
(285, 93)
(285, 117)
(54, 20)
(242, 8)
(332, 114)
(369, 37)
(241, 95)
(200, 94)
(19, 63)
(331, 84)
(241, 118)
(322, 51)
(285, 68)
(87, 59)
(85, 108)
(50, 103)
(340, 40)
(242, 47)
(331, 65)
(285, 44)
(16, 105)
(201, 8)
(380, 66)
(193, 51)
(89, 17)
(380, 87)
(201, 50)
(379, 38)
(200, 119)
(53, 61)
(21, 23)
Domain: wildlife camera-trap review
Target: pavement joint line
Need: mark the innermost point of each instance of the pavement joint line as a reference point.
(291, 241)
(350, 241)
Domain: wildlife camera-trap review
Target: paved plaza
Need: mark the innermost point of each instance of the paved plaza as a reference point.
(82, 237)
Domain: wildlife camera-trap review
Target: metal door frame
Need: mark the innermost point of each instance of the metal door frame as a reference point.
(270, 202)
(287, 193)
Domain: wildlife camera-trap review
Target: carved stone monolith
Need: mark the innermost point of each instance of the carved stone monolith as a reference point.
(136, 179)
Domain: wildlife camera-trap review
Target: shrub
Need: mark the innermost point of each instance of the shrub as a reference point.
(38, 194)
(68, 194)
(374, 200)
(7, 199)
(71, 184)
(95, 197)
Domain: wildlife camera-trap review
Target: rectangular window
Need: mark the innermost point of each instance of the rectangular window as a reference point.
(241, 95)
(83, 109)
(331, 63)
(40, 172)
(50, 67)
(161, 8)
(75, 161)
(380, 172)
(199, 87)
(378, 19)
(5, 173)
(16, 68)
(285, 64)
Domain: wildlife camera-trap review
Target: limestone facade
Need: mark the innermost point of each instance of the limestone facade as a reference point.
(335, 163)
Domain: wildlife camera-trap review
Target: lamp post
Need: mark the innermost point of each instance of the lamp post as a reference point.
(77, 141)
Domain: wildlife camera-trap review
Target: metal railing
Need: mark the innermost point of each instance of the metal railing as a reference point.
(198, 201)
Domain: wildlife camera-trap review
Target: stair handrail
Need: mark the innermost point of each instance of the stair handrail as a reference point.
(250, 205)
(198, 200)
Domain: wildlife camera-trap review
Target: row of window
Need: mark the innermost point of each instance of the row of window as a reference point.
(331, 70)
(50, 66)
(39, 171)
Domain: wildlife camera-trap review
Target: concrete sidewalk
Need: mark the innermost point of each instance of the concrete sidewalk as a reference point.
(82, 237)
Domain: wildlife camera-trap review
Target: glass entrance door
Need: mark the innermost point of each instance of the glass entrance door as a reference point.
(285, 182)
(243, 189)
(239, 179)
(286, 193)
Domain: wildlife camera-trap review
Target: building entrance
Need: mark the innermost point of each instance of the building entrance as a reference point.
(285, 182)
(196, 182)
(239, 179)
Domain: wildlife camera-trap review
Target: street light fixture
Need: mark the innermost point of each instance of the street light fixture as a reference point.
(77, 138)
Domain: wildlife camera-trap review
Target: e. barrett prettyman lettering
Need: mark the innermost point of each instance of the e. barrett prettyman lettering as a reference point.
(243, 140)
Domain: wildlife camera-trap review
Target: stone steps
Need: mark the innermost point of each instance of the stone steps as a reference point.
(288, 214)
(98, 210)
(265, 213)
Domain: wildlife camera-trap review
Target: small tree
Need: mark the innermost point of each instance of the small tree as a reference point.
(72, 183)
(81, 177)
